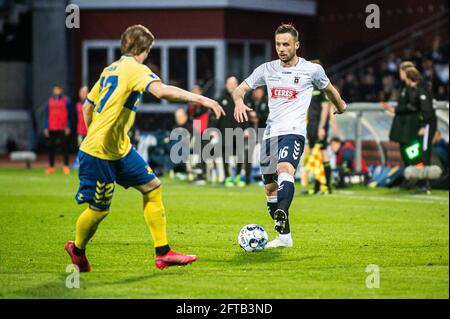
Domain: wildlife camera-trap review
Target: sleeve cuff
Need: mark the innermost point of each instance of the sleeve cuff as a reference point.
(325, 85)
(249, 85)
(147, 87)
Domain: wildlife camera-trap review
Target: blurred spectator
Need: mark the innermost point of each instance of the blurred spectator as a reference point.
(198, 112)
(57, 127)
(441, 159)
(368, 86)
(246, 164)
(254, 120)
(440, 150)
(345, 156)
(351, 88)
(81, 126)
(182, 121)
(388, 92)
(405, 124)
(391, 63)
(384, 69)
(417, 57)
(441, 93)
(421, 99)
(383, 84)
(228, 121)
(199, 115)
(318, 123)
(439, 57)
(258, 102)
(439, 52)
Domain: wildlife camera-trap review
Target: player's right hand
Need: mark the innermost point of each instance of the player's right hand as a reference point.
(214, 106)
(240, 112)
(342, 108)
(46, 134)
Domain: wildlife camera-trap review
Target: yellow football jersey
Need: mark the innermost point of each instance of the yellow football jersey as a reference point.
(115, 97)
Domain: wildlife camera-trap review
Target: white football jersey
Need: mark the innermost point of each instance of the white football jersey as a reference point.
(289, 91)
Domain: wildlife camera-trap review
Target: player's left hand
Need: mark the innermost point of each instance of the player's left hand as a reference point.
(240, 112)
(67, 131)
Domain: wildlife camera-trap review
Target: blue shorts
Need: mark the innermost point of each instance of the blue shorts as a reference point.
(280, 149)
(98, 177)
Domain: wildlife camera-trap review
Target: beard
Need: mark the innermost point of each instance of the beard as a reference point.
(286, 58)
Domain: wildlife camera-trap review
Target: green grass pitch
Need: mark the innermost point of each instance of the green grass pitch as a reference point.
(335, 238)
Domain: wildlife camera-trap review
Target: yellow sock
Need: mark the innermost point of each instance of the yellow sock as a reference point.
(87, 225)
(155, 217)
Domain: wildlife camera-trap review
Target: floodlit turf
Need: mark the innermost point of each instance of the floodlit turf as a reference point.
(335, 238)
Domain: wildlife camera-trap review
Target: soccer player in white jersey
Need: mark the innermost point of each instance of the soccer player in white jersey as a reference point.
(289, 82)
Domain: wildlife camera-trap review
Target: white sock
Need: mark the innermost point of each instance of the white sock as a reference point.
(286, 237)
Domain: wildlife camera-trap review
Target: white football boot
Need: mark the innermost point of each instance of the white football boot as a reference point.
(281, 241)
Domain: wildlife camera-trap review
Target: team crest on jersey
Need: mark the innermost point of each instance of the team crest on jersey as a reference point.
(284, 93)
(296, 79)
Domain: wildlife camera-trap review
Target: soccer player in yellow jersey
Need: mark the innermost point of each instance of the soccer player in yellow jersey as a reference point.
(107, 156)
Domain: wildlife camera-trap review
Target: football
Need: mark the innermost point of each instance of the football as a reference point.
(252, 237)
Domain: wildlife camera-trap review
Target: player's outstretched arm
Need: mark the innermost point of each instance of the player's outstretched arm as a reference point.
(335, 98)
(240, 109)
(173, 93)
(88, 108)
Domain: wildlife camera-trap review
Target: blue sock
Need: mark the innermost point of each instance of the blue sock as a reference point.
(285, 191)
(285, 195)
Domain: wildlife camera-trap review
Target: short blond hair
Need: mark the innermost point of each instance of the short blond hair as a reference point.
(136, 39)
(406, 64)
(413, 74)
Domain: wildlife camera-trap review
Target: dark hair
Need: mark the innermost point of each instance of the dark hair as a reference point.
(136, 39)
(335, 139)
(287, 28)
(413, 74)
(57, 85)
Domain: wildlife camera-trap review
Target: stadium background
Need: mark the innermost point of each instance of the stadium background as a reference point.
(203, 42)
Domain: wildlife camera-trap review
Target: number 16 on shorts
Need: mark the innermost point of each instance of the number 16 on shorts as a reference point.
(290, 149)
(284, 152)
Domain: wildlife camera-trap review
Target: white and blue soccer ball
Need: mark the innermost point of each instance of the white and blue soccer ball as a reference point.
(252, 237)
